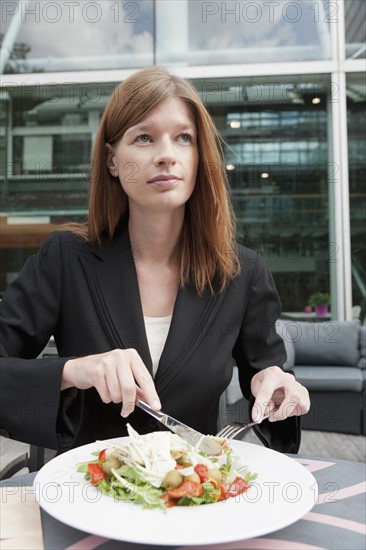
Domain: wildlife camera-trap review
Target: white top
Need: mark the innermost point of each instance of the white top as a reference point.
(157, 329)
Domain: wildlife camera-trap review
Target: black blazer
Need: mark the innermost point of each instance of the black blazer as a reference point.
(88, 298)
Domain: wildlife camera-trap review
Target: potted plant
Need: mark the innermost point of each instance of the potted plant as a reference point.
(320, 301)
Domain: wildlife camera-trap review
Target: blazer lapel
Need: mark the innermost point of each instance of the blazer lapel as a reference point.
(112, 279)
(193, 318)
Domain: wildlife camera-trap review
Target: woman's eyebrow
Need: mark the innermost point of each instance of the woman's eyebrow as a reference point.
(138, 128)
(148, 127)
(184, 127)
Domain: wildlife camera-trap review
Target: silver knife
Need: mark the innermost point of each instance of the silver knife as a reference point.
(203, 443)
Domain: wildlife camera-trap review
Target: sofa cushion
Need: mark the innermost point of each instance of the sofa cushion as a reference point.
(330, 378)
(362, 361)
(333, 343)
(364, 389)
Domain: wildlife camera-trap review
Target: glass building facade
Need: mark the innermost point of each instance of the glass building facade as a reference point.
(284, 82)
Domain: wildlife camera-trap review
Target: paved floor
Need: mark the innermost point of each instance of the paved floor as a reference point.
(327, 444)
(320, 444)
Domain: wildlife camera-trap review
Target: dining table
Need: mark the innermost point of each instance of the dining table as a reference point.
(336, 521)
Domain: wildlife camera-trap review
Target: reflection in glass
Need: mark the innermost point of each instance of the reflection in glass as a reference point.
(80, 36)
(51, 133)
(53, 154)
(242, 32)
(355, 17)
(4, 113)
(277, 165)
(356, 107)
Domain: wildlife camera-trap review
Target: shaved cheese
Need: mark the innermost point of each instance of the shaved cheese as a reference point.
(151, 454)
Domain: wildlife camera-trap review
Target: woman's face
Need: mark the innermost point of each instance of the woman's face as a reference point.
(156, 160)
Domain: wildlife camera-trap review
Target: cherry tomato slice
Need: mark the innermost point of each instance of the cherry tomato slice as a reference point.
(202, 471)
(186, 489)
(237, 487)
(102, 455)
(96, 473)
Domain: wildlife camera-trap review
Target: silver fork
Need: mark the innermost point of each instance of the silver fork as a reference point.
(234, 428)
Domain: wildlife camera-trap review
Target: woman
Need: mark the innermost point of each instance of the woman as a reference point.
(151, 296)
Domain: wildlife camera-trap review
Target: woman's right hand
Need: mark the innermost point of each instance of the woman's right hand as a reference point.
(118, 375)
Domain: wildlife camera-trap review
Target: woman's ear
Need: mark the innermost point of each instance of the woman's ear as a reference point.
(111, 160)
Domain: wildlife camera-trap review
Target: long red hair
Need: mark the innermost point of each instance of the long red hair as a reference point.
(208, 234)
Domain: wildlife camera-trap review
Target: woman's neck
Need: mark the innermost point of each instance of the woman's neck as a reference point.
(154, 239)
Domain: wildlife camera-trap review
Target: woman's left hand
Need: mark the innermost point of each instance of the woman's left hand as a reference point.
(275, 389)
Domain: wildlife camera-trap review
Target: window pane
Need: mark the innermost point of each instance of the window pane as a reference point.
(45, 143)
(52, 134)
(51, 154)
(203, 33)
(356, 106)
(80, 36)
(277, 157)
(355, 17)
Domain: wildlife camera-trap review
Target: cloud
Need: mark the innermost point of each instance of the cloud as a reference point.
(84, 28)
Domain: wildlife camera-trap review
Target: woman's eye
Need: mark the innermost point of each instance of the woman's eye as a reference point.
(143, 138)
(186, 138)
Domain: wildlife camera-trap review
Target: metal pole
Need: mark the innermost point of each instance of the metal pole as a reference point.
(11, 35)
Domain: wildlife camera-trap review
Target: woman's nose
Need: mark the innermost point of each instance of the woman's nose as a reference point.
(165, 153)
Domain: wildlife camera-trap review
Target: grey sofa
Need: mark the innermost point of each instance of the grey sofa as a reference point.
(330, 360)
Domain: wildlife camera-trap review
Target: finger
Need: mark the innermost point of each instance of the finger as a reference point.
(295, 404)
(114, 380)
(113, 383)
(100, 384)
(304, 401)
(286, 409)
(128, 388)
(261, 408)
(298, 405)
(264, 402)
(106, 380)
(145, 382)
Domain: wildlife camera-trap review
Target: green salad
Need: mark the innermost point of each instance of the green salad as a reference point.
(161, 470)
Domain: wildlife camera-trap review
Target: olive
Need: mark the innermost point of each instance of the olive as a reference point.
(172, 480)
(111, 462)
(184, 461)
(215, 474)
(193, 477)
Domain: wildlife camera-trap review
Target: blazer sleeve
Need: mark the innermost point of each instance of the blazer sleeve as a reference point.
(33, 409)
(259, 346)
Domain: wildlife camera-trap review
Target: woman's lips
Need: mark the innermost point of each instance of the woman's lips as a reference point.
(164, 181)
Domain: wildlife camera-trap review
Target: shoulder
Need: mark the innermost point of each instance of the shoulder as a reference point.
(254, 272)
(62, 239)
(60, 245)
(68, 245)
(250, 260)
(255, 275)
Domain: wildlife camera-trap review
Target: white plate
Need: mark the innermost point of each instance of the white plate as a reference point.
(283, 492)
